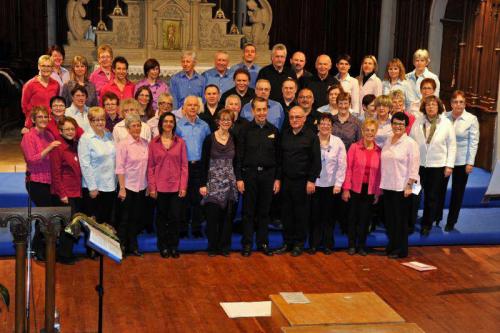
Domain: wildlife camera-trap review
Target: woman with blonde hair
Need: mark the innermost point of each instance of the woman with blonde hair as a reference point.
(395, 79)
(383, 107)
(165, 105)
(120, 132)
(421, 60)
(369, 83)
(79, 76)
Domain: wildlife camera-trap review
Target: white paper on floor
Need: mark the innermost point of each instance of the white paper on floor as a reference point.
(247, 309)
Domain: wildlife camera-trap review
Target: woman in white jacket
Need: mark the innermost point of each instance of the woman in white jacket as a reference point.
(435, 137)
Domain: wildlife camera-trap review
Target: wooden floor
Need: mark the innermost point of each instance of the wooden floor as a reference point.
(158, 295)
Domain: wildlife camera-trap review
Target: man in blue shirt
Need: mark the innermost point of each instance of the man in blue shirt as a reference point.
(188, 81)
(193, 131)
(275, 114)
(249, 55)
(220, 74)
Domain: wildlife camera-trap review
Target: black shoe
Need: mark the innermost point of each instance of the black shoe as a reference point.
(264, 248)
(224, 253)
(174, 253)
(351, 251)
(438, 222)
(136, 253)
(327, 251)
(183, 234)
(425, 232)
(297, 251)
(197, 234)
(165, 253)
(212, 253)
(66, 260)
(283, 249)
(247, 251)
(449, 227)
(91, 254)
(312, 250)
(362, 252)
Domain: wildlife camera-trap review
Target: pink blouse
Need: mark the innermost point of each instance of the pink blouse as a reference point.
(357, 159)
(32, 145)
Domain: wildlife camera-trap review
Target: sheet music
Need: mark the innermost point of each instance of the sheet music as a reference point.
(295, 297)
(103, 243)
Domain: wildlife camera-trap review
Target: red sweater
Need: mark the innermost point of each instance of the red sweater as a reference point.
(54, 130)
(35, 94)
(65, 170)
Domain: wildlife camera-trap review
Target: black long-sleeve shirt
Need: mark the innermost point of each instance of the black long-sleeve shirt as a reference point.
(319, 88)
(258, 147)
(276, 79)
(301, 154)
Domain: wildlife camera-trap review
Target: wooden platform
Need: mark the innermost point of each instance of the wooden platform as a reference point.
(373, 328)
(157, 295)
(334, 308)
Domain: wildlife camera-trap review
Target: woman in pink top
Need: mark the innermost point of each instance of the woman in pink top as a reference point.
(39, 90)
(361, 185)
(103, 74)
(400, 161)
(131, 168)
(36, 146)
(120, 85)
(167, 182)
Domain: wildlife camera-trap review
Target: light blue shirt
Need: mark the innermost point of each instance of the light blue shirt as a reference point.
(82, 119)
(404, 86)
(97, 161)
(467, 134)
(253, 70)
(182, 86)
(224, 82)
(415, 82)
(275, 113)
(193, 134)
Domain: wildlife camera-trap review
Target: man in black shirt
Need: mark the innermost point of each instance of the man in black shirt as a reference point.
(241, 87)
(233, 103)
(298, 62)
(276, 72)
(211, 107)
(320, 82)
(306, 101)
(301, 165)
(258, 175)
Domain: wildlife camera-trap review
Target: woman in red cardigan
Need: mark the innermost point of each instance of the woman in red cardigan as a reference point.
(362, 185)
(66, 180)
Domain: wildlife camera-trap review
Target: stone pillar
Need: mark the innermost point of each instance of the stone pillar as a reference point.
(51, 22)
(438, 10)
(194, 40)
(386, 34)
(149, 27)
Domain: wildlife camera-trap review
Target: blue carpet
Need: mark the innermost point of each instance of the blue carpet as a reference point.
(478, 223)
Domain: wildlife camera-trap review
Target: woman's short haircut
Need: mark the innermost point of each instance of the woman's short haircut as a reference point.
(109, 95)
(38, 109)
(57, 98)
(231, 97)
(401, 116)
(162, 118)
(79, 88)
(397, 94)
(121, 60)
(132, 118)
(150, 64)
(224, 112)
(428, 81)
(129, 102)
(457, 93)
(422, 54)
(57, 48)
(105, 48)
(45, 58)
(335, 86)
(96, 112)
(79, 60)
(383, 100)
(64, 120)
(344, 96)
(326, 116)
(395, 62)
(165, 97)
(429, 99)
(368, 99)
(370, 121)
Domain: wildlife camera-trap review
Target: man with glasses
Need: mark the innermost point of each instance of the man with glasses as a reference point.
(275, 114)
(306, 101)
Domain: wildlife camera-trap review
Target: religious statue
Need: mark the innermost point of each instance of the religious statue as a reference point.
(75, 14)
(260, 19)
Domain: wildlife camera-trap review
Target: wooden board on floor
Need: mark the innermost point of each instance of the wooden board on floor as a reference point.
(371, 328)
(335, 308)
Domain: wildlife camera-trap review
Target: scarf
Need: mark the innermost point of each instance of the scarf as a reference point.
(432, 130)
(366, 77)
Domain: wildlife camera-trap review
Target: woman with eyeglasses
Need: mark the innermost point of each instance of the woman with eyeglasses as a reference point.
(400, 160)
(165, 105)
(58, 107)
(111, 104)
(66, 180)
(218, 184)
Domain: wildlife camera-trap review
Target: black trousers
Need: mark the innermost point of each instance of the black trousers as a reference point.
(360, 214)
(432, 180)
(396, 221)
(66, 241)
(341, 212)
(257, 200)
(219, 224)
(101, 207)
(169, 207)
(40, 195)
(322, 221)
(413, 213)
(295, 211)
(131, 218)
(458, 184)
(192, 202)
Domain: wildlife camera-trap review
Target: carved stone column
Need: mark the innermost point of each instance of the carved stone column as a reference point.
(195, 30)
